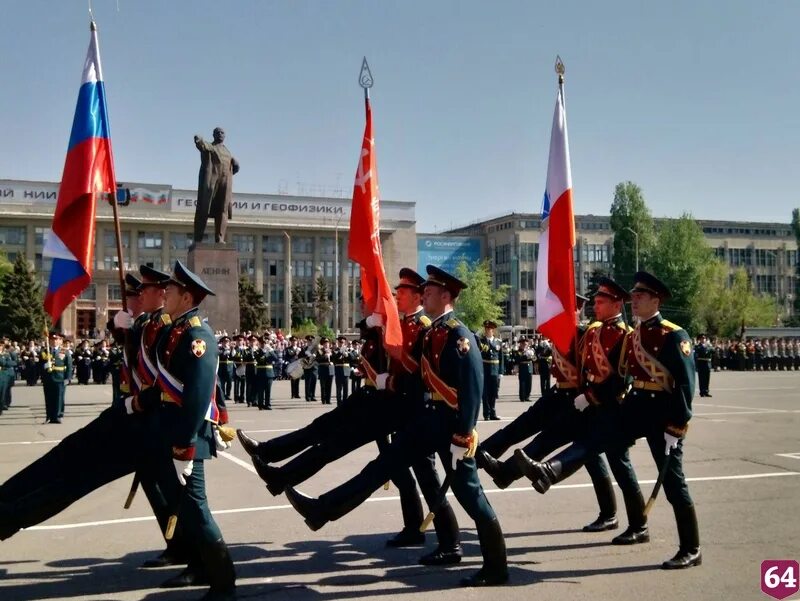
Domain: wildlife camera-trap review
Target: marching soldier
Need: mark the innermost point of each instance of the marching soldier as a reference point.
(341, 365)
(83, 363)
(452, 373)
(187, 359)
(523, 361)
(491, 353)
(659, 406)
(702, 363)
(56, 364)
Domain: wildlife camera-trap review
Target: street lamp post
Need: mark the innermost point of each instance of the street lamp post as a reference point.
(636, 242)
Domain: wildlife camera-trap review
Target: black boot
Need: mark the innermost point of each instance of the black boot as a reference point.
(8, 526)
(286, 445)
(249, 445)
(493, 548)
(221, 574)
(192, 575)
(448, 551)
(407, 537)
(544, 475)
(168, 557)
(688, 554)
(312, 510)
(272, 476)
(503, 473)
(607, 520)
(637, 531)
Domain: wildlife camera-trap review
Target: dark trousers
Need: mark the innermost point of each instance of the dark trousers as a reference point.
(295, 387)
(53, 399)
(310, 385)
(325, 384)
(238, 389)
(341, 387)
(525, 384)
(407, 488)
(264, 395)
(226, 381)
(544, 378)
(251, 390)
(491, 387)
(703, 376)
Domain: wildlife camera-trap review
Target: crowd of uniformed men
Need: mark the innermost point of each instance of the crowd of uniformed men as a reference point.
(416, 399)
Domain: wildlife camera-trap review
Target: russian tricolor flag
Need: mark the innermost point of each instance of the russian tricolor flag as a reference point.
(88, 173)
(555, 271)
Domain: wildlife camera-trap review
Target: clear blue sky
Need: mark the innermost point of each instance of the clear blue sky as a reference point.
(696, 101)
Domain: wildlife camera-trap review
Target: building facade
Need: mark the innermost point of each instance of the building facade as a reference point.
(283, 243)
(767, 251)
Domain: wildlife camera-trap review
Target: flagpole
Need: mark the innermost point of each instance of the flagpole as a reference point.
(114, 208)
(365, 79)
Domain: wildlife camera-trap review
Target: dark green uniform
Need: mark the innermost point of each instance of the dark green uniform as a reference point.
(492, 357)
(8, 366)
(523, 360)
(56, 366)
(325, 372)
(702, 362)
(341, 366)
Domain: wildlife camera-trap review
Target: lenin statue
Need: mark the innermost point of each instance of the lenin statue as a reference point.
(214, 186)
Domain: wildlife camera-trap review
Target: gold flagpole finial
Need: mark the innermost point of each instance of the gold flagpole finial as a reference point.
(560, 69)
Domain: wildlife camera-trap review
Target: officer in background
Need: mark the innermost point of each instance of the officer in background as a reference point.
(544, 357)
(702, 363)
(266, 364)
(30, 363)
(309, 371)
(523, 362)
(187, 359)
(251, 384)
(56, 365)
(83, 362)
(8, 366)
(453, 375)
(239, 369)
(355, 373)
(226, 365)
(115, 369)
(290, 354)
(325, 370)
(341, 366)
(492, 355)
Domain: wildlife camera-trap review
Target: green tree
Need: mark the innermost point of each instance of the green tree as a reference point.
(305, 327)
(22, 315)
(679, 259)
(629, 212)
(252, 308)
(481, 300)
(727, 304)
(322, 302)
(5, 266)
(299, 306)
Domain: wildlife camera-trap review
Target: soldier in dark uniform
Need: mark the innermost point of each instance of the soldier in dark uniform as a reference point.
(30, 364)
(115, 369)
(266, 366)
(544, 357)
(226, 363)
(523, 361)
(452, 373)
(292, 353)
(56, 364)
(309, 372)
(325, 370)
(702, 363)
(83, 363)
(237, 355)
(187, 359)
(355, 374)
(491, 353)
(555, 413)
(341, 366)
(249, 356)
(657, 356)
(8, 366)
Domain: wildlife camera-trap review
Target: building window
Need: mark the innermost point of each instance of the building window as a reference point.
(527, 280)
(110, 239)
(275, 293)
(89, 293)
(244, 243)
(180, 240)
(154, 261)
(303, 245)
(276, 268)
(353, 270)
(502, 254)
(302, 269)
(502, 278)
(528, 251)
(594, 253)
(114, 292)
(527, 309)
(149, 240)
(327, 268)
(13, 235)
(272, 244)
(41, 263)
(247, 267)
(327, 246)
(110, 262)
(740, 256)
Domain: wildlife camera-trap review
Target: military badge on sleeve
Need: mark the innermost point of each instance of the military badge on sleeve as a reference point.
(462, 346)
(198, 348)
(686, 347)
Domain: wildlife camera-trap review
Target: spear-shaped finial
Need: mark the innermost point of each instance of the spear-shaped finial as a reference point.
(365, 77)
(560, 69)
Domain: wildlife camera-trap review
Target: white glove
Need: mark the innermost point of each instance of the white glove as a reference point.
(123, 320)
(129, 405)
(672, 442)
(380, 381)
(580, 402)
(457, 453)
(183, 469)
(47, 365)
(221, 444)
(375, 320)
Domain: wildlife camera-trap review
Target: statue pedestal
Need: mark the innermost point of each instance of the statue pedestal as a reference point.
(218, 266)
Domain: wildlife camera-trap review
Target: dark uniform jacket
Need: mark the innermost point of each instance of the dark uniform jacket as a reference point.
(601, 349)
(492, 356)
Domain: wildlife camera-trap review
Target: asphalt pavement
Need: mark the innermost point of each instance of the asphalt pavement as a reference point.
(742, 459)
